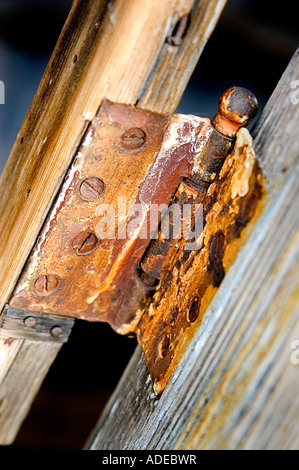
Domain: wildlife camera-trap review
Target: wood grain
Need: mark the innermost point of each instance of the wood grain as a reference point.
(16, 323)
(236, 386)
(26, 364)
(116, 51)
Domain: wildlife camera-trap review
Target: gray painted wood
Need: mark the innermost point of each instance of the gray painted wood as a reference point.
(236, 386)
(27, 353)
(35, 326)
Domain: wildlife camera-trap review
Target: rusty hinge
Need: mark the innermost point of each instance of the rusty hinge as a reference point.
(146, 196)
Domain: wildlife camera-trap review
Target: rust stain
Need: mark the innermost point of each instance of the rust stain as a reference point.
(145, 176)
(154, 288)
(9, 341)
(72, 214)
(191, 288)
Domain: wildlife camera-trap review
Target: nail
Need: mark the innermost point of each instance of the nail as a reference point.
(30, 321)
(56, 331)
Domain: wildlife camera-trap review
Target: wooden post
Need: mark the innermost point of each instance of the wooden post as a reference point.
(115, 51)
(236, 386)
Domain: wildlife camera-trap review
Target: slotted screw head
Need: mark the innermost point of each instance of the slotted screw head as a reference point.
(91, 188)
(85, 243)
(46, 284)
(133, 139)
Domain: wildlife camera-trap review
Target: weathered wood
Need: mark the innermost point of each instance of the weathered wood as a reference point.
(166, 83)
(235, 387)
(34, 326)
(28, 345)
(116, 51)
(24, 364)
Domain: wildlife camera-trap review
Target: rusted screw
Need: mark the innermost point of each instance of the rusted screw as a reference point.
(30, 321)
(46, 284)
(56, 331)
(91, 188)
(133, 139)
(85, 243)
(237, 108)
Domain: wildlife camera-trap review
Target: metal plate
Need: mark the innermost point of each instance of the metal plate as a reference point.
(190, 279)
(127, 153)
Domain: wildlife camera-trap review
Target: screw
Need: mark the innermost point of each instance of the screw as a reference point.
(30, 321)
(85, 243)
(133, 139)
(56, 331)
(46, 284)
(91, 188)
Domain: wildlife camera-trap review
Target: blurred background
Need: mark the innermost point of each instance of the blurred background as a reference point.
(251, 46)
